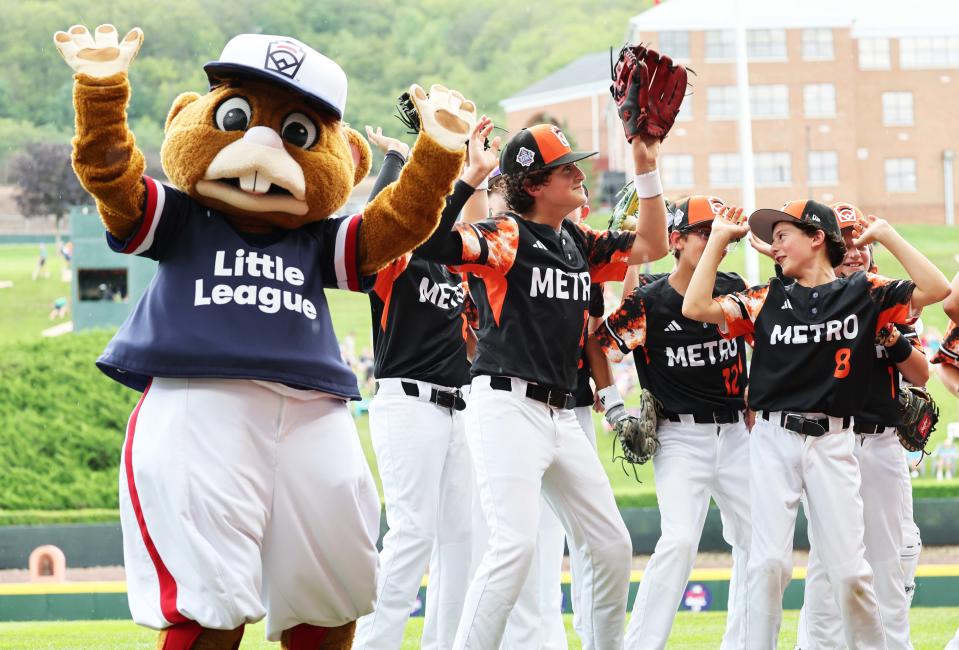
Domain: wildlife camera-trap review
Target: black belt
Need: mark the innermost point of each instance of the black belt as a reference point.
(706, 417)
(448, 399)
(799, 423)
(869, 428)
(555, 397)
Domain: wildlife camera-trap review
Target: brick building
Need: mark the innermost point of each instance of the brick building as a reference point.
(850, 100)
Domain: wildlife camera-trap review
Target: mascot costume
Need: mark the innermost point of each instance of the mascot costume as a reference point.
(244, 491)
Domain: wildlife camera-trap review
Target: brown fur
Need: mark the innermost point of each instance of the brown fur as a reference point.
(109, 165)
(211, 639)
(338, 638)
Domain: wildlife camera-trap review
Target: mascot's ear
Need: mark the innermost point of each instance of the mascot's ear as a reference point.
(362, 156)
(182, 101)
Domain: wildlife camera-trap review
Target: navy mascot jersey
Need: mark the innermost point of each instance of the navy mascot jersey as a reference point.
(815, 346)
(686, 364)
(228, 305)
(532, 288)
(419, 323)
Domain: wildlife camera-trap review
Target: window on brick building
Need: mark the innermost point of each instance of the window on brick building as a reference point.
(674, 44)
(766, 43)
(721, 102)
(720, 44)
(819, 100)
(897, 109)
(677, 170)
(823, 168)
(725, 170)
(685, 109)
(929, 52)
(817, 45)
(773, 168)
(769, 100)
(874, 53)
(900, 174)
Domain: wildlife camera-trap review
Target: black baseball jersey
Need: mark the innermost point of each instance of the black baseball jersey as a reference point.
(814, 346)
(688, 365)
(584, 391)
(419, 324)
(881, 406)
(948, 351)
(532, 287)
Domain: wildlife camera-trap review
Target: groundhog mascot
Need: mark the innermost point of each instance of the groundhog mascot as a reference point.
(244, 491)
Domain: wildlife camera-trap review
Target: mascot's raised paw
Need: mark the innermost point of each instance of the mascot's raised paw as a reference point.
(101, 55)
(445, 115)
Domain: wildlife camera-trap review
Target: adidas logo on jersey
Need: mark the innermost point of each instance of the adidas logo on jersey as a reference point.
(673, 327)
(787, 305)
(539, 244)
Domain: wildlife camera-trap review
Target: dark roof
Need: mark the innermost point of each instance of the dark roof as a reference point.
(586, 69)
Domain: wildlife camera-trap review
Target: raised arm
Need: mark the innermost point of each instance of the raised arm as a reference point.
(698, 303)
(651, 241)
(951, 304)
(105, 156)
(931, 285)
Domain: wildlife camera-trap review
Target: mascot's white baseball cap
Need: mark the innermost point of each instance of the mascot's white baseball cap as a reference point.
(285, 61)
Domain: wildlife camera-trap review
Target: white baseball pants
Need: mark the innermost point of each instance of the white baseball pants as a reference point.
(695, 461)
(238, 501)
(521, 447)
(536, 622)
(424, 466)
(883, 468)
(783, 464)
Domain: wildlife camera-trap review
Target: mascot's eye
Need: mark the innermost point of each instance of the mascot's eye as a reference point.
(299, 130)
(233, 114)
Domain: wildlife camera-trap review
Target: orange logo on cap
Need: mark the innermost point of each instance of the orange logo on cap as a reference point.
(551, 142)
(847, 214)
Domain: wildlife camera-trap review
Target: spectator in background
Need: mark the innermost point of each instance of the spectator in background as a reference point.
(41, 270)
(945, 457)
(61, 306)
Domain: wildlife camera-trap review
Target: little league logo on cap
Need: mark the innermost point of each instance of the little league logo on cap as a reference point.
(847, 214)
(762, 222)
(284, 57)
(539, 147)
(286, 62)
(693, 211)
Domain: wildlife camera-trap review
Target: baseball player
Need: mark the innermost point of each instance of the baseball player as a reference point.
(532, 271)
(536, 620)
(886, 485)
(814, 347)
(419, 346)
(700, 379)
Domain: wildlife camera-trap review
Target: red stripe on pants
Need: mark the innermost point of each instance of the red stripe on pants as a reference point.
(167, 583)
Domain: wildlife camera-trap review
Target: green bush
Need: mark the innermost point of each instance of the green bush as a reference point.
(61, 425)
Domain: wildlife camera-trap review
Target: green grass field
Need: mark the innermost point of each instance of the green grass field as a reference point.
(25, 306)
(931, 630)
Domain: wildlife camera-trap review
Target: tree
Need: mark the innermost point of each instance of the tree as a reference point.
(45, 181)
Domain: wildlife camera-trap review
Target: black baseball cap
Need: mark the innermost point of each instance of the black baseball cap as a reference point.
(692, 211)
(538, 147)
(813, 213)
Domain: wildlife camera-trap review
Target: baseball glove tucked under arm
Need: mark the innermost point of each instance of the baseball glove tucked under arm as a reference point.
(920, 415)
(637, 435)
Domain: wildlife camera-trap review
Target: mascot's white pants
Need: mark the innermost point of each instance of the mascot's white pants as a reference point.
(238, 501)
